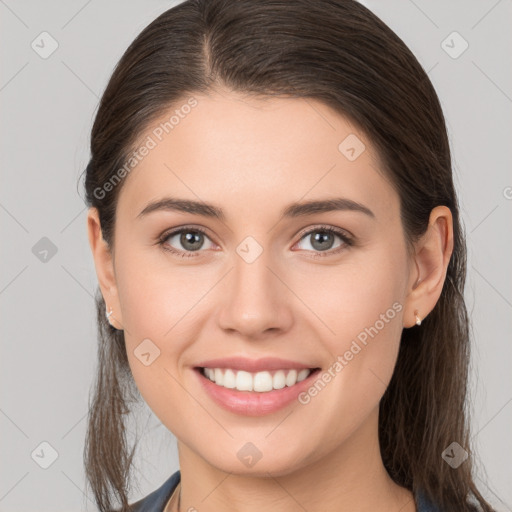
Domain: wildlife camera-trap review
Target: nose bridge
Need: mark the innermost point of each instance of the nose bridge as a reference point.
(256, 300)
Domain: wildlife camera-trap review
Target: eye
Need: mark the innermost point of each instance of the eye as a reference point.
(321, 240)
(188, 239)
(191, 240)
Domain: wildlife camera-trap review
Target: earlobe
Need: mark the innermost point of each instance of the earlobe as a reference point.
(103, 262)
(432, 256)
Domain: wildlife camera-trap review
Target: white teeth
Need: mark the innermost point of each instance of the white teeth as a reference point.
(302, 375)
(229, 379)
(243, 381)
(261, 381)
(291, 378)
(279, 380)
(219, 376)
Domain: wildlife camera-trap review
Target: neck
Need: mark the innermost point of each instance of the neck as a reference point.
(350, 477)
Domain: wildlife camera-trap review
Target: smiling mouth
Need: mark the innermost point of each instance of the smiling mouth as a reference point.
(260, 382)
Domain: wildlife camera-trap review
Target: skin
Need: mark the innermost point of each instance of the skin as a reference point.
(252, 157)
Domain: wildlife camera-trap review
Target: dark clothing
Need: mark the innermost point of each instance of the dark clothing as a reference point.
(156, 501)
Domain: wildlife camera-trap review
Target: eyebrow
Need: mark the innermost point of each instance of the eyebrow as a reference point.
(291, 211)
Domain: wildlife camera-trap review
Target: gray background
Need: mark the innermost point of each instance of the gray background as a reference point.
(48, 319)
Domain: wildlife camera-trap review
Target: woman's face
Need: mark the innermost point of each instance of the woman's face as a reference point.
(265, 292)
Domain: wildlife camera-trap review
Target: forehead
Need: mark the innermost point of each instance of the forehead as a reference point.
(255, 154)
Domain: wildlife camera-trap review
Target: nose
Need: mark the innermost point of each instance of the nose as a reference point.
(256, 302)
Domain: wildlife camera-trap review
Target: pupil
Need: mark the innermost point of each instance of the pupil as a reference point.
(188, 239)
(320, 238)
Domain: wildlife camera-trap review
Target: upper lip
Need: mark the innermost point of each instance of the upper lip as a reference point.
(254, 365)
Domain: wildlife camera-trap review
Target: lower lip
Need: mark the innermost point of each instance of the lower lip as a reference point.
(254, 403)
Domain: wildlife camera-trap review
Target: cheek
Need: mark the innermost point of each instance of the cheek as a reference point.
(155, 294)
(362, 306)
(358, 299)
(161, 305)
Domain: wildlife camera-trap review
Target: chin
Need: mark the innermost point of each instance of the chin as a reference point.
(248, 460)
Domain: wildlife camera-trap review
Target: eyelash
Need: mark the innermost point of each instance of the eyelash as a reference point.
(347, 240)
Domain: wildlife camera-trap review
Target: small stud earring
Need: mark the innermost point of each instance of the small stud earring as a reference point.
(108, 314)
(418, 319)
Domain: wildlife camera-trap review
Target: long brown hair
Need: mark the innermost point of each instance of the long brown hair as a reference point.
(340, 53)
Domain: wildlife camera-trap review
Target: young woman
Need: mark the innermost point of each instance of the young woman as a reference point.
(281, 264)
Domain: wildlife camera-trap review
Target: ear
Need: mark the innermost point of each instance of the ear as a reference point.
(432, 254)
(104, 263)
